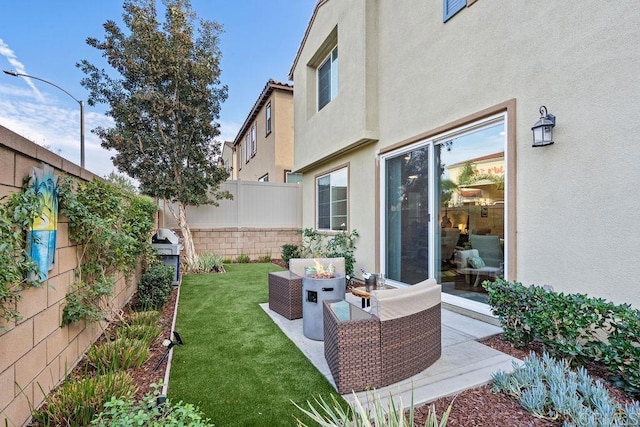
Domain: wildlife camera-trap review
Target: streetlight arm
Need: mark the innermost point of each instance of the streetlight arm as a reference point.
(16, 74)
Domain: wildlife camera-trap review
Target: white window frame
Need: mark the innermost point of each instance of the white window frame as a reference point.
(268, 118)
(247, 148)
(343, 225)
(254, 144)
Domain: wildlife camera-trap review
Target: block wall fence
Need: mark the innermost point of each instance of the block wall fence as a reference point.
(35, 352)
(253, 242)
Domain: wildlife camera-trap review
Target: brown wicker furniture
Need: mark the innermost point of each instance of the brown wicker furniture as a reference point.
(400, 338)
(285, 287)
(285, 294)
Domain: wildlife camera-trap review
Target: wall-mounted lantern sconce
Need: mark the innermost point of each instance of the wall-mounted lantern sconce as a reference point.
(543, 129)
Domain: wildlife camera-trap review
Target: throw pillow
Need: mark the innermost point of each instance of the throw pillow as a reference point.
(475, 262)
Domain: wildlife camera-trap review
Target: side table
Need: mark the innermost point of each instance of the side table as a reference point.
(285, 294)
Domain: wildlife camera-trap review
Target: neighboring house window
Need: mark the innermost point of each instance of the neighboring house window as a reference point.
(264, 178)
(451, 7)
(268, 119)
(239, 158)
(247, 148)
(331, 200)
(292, 178)
(328, 79)
(254, 145)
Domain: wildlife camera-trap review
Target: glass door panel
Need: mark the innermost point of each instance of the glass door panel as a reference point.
(406, 216)
(470, 201)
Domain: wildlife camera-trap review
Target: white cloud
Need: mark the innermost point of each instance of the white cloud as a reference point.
(17, 65)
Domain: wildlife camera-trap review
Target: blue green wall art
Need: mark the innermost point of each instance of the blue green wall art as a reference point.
(41, 237)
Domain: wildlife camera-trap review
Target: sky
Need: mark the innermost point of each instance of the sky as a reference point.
(46, 38)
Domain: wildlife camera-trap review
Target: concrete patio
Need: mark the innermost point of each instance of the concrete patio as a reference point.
(464, 364)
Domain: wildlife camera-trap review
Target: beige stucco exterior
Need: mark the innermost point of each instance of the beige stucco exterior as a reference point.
(404, 75)
(273, 155)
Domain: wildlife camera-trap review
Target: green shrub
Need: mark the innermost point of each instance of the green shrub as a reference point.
(144, 333)
(149, 412)
(576, 327)
(155, 287)
(118, 355)
(548, 388)
(289, 251)
(149, 317)
(243, 259)
(393, 413)
(264, 258)
(320, 245)
(112, 227)
(209, 263)
(76, 402)
(18, 270)
(86, 302)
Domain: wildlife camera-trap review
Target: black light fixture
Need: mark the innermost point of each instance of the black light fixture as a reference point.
(543, 129)
(169, 344)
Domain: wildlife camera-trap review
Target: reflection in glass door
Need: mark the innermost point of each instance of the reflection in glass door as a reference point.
(406, 219)
(468, 207)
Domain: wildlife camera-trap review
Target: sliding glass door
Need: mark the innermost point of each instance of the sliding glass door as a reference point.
(407, 213)
(444, 204)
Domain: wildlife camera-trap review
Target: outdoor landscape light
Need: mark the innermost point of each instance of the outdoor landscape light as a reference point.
(169, 344)
(543, 129)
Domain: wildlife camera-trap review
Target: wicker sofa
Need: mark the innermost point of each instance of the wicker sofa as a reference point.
(285, 287)
(398, 339)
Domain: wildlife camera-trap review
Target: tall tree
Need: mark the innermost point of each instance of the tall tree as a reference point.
(164, 95)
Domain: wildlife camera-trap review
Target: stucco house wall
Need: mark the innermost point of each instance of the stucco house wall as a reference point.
(572, 202)
(274, 151)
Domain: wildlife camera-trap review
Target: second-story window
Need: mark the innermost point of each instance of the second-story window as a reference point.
(328, 79)
(268, 119)
(254, 143)
(247, 148)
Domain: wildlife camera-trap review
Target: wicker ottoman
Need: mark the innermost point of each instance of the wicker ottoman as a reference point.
(352, 347)
(285, 294)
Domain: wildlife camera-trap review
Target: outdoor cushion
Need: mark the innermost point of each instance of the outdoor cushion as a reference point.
(475, 262)
(387, 304)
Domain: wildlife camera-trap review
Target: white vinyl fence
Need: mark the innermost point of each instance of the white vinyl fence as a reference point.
(254, 205)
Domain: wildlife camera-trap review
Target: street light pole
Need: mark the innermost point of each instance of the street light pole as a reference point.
(16, 74)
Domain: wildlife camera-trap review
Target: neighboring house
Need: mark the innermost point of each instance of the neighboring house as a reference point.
(413, 126)
(264, 144)
(229, 160)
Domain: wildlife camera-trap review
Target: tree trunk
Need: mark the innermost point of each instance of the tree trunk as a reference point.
(187, 239)
(190, 255)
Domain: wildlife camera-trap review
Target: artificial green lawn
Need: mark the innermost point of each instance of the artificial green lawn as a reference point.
(236, 365)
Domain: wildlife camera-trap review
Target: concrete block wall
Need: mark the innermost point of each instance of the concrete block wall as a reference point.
(35, 352)
(254, 242)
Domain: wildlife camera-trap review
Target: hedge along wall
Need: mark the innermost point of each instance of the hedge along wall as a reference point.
(36, 353)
